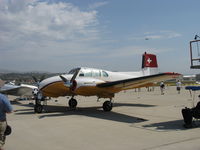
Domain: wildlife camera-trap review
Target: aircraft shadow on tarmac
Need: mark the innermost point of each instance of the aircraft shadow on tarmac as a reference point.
(132, 105)
(95, 112)
(174, 125)
(166, 126)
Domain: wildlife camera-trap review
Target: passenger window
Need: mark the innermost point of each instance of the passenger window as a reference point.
(96, 73)
(105, 74)
(88, 74)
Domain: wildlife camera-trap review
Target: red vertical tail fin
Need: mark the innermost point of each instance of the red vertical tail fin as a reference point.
(149, 60)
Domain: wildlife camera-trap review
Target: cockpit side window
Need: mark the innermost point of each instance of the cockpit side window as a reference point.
(81, 74)
(105, 74)
(90, 73)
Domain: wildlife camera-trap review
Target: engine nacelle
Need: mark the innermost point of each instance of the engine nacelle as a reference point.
(79, 82)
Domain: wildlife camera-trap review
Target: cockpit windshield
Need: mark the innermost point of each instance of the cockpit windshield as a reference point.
(73, 71)
(89, 72)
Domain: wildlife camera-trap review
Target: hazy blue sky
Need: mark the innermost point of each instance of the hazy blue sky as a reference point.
(55, 36)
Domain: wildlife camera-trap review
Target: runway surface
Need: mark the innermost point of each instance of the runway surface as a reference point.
(139, 120)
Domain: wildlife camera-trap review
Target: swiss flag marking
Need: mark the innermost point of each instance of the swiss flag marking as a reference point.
(149, 60)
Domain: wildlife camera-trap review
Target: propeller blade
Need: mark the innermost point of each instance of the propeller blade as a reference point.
(66, 82)
(72, 84)
(42, 78)
(63, 78)
(35, 79)
(75, 74)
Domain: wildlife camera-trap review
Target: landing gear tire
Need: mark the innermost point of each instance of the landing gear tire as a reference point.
(107, 106)
(72, 103)
(38, 108)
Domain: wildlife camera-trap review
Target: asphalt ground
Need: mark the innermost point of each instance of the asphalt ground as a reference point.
(139, 120)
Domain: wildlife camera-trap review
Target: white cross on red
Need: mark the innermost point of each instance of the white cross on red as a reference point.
(149, 60)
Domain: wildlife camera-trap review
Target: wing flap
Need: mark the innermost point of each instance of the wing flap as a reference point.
(139, 82)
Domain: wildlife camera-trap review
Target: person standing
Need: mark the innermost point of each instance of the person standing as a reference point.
(178, 86)
(5, 107)
(162, 87)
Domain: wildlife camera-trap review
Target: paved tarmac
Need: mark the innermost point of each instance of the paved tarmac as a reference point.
(139, 121)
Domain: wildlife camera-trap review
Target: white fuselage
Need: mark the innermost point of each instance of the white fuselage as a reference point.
(91, 75)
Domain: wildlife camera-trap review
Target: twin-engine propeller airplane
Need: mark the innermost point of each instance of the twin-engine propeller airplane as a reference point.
(101, 83)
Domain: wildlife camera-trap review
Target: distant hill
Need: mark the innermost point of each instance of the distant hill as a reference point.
(26, 77)
(6, 71)
(14, 71)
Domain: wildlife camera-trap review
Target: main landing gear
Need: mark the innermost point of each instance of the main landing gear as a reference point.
(38, 108)
(72, 103)
(107, 105)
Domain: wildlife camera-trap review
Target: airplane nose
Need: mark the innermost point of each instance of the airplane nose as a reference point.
(42, 84)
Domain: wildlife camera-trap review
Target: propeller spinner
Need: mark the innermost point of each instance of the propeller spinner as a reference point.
(72, 84)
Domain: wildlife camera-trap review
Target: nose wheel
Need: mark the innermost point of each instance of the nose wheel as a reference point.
(72, 103)
(107, 106)
(38, 108)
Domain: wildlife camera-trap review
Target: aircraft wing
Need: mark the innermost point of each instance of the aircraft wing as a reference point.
(18, 91)
(139, 81)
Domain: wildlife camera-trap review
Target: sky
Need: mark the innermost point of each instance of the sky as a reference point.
(58, 35)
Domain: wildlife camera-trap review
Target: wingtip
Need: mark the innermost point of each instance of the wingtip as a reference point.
(174, 74)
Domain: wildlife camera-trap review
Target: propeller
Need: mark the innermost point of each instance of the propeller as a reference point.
(37, 81)
(72, 84)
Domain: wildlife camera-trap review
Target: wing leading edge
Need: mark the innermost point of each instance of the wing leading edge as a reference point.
(138, 82)
(18, 91)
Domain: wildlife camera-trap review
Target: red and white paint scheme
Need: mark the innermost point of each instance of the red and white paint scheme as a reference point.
(102, 83)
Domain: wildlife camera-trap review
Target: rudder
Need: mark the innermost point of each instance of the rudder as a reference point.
(149, 64)
(149, 60)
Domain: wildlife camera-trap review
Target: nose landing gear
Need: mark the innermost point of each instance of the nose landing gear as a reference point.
(38, 108)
